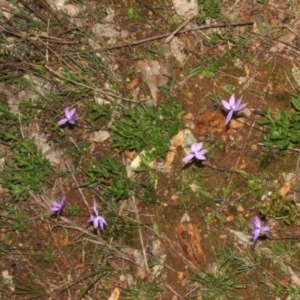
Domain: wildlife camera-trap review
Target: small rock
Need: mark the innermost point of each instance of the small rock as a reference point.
(72, 10)
(238, 123)
(100, 136)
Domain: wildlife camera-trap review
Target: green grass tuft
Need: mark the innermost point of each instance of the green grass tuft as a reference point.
(27, 170)
(147, 128)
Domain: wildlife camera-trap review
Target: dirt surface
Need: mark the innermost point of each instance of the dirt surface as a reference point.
(178, 231)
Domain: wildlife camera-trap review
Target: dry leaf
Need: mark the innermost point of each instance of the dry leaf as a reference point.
(175, 143)
(115, 294)
(153, 74)
(285, 189)
(132, 84)
(189, 239)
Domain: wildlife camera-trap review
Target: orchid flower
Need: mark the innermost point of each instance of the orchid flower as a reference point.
(70, 117)
(97, 220)
(196, 152)
(232, 106)
(57, 206)
(257, 229)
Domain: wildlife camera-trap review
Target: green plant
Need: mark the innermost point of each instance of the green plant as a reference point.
(144, 290)
(108, 177)
(284, 127)
(74, 210)
(208, 9)
(28, 290)
(132, 13)
(26, 172)
(147, 128)
(49, 253)
(97, 115)
(17, 220)
(275, 206)
(208, 67)
(221, 280)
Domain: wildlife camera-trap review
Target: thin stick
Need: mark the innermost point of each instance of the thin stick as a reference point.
(174, 292)
(140, 233)
(171, 36)
(164, 35)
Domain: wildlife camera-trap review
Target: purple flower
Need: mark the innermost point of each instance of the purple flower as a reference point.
(197, 152)
(232, 106)
(97, 220)
(70, 117)
(257, 229)
(57, 206)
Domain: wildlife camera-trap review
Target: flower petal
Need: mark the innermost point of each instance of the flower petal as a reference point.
(95, 208)
(96, 222)
(232, 101)
(200, 155)
(91, 219)
(226, 105)
(239, 101)
(62, 121)
(196, 147)
(240, 107)
(265, 229)
(72, 112)
(255, 234)
(188, 158)
(256, 224)
(229, 116)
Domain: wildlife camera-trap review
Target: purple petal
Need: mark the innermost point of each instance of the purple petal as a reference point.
(256, 224)
(54, 208)
(239, 101)
(91, 219)
(196, 147)
(240, 107)
(67, 112)
(72, 113)
(265, 229)
(61, 201)
(232, 101)
(188, 158)
(62, 121)
(95, 208)
(102, 222)
(226, 105)
(96, 223)
(255, 233)
(229, 116)
(200, 155)
(71, 121)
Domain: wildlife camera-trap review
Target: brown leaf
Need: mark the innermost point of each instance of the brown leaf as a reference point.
(153, 74)
(115, 294)
(175, 143)
(132, 84)
(285, 189)
(189, 239)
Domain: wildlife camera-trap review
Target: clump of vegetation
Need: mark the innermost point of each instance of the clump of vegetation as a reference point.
(26, 171)
(148, 128)
(275, 206)
(106, 176)
(284, 127)
(208, 9)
